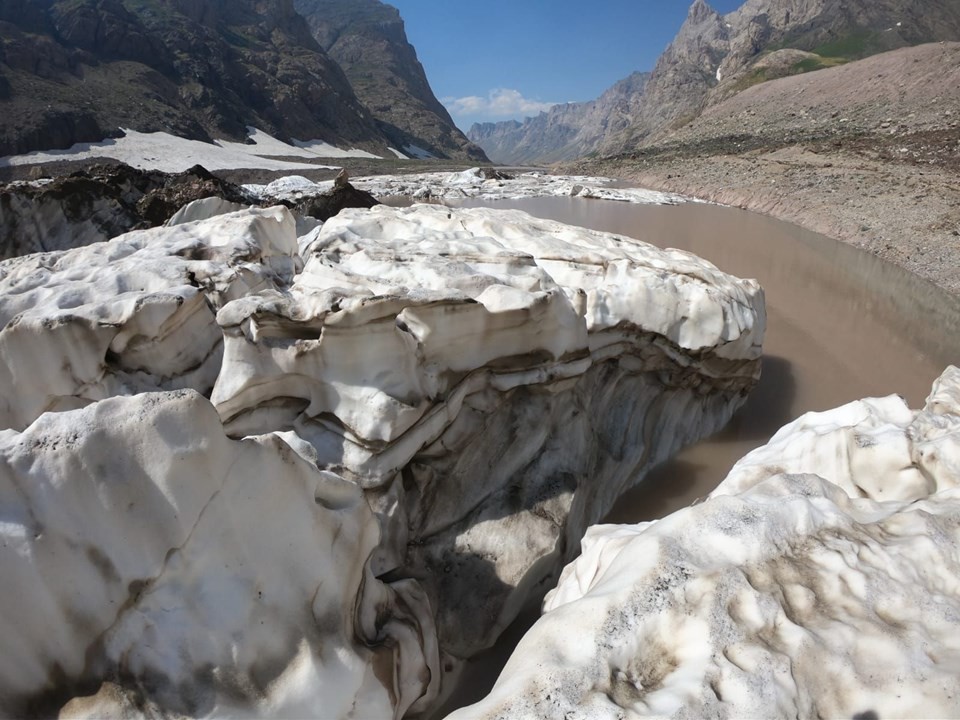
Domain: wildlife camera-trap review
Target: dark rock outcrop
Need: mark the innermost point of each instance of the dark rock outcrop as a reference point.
(367, 39)
(108, 200)
(343, 195)
(98, 204)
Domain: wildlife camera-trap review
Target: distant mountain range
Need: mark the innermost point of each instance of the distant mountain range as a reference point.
(79, 70)
(565, 131)
(713, 57)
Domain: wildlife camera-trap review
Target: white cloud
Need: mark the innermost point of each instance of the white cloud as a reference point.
(499, 104)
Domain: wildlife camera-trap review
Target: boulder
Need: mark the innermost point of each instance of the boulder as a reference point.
(320, 200)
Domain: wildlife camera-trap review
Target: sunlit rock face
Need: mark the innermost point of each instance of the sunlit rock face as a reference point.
(481, 384)
(492, 381)
(819, 580)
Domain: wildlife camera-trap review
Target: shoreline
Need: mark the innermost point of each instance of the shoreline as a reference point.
(904, 214)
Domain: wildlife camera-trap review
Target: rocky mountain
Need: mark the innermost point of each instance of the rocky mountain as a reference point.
(78, 70)
(716, 56)
(368, 40)
(565, 131)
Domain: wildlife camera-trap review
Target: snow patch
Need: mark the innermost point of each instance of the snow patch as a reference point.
(270, 146)
(169, 153)
(326, 150)
(398, 153)
(418, 152)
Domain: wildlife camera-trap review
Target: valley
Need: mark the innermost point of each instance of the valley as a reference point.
(314, 405)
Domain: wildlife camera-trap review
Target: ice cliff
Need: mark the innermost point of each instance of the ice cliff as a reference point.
(246, 473)
(820, 579)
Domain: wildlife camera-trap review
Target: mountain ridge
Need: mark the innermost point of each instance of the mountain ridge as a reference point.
(564, 132)
(367, 38)
(715, 56)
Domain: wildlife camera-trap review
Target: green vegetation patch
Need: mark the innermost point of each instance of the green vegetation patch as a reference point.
(749, 80)
(815, 63)
(853, 46)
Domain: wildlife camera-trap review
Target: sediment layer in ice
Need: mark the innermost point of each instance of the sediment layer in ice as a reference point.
(819, 580)
(492, 380)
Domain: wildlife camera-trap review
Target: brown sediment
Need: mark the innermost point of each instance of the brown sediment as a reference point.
(902, 212)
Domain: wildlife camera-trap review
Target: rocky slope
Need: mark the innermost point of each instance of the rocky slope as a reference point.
(367, 39)
(565, 131)
(77, 70)
(714, 57)
(866, 153)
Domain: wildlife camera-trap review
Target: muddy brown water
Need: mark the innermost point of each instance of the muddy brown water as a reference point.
(841, 325)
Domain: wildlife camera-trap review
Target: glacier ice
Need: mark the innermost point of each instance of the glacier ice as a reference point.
(251, 473)
(820, 579)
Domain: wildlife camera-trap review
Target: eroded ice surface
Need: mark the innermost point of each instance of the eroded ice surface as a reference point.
(493, 381)
(819, 580)
(198, 575)
(488, 383)
(480, 183)
(487, 184)
(134, 314)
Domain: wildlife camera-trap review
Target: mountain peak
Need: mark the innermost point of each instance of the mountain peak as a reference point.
(700, 11)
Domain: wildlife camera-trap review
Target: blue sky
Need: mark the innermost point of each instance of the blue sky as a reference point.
(501, 59)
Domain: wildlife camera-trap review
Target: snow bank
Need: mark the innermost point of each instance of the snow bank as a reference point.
(168, 153)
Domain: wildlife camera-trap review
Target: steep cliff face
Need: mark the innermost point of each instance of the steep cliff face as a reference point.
(367, 39)
(683, 75)
(76, 71)
(565, 131)
(716, 56)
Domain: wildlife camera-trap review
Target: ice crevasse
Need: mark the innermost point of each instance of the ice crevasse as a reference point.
(245, 472)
